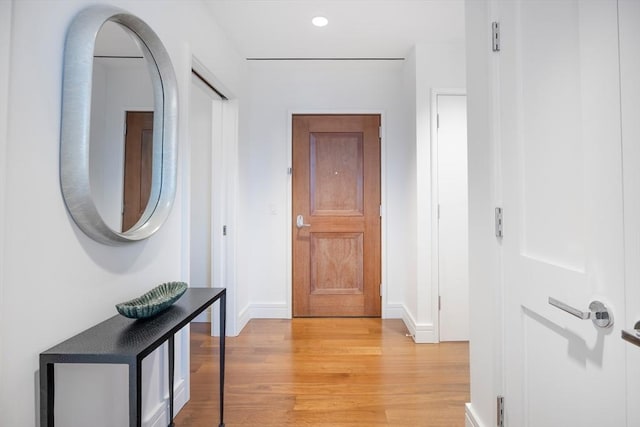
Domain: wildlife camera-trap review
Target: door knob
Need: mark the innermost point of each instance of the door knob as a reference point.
(300, 222)
(601, 316)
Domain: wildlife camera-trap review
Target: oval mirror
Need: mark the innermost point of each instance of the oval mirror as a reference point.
(119, 116)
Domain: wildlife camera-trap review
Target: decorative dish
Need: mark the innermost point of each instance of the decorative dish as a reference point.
(153, 302)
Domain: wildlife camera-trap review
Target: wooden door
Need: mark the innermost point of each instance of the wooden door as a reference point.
(138, 154)
(336, 215)
(561, 179)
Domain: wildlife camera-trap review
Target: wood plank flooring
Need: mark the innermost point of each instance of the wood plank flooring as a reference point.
(327, 372)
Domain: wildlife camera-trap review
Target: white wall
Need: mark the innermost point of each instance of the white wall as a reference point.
(401, 92)
(277, 89)
(55, 281)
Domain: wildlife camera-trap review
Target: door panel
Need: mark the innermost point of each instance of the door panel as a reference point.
(453, 229)
(336, 173)
(337, 263)
(336, 190)
(561, 169)
(138, 154)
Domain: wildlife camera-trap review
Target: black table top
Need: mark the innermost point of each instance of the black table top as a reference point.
(123, 340)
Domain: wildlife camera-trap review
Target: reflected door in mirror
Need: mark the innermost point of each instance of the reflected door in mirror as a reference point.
(138, 154)
(122, 94)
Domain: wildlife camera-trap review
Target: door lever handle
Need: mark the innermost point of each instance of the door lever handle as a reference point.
(300, 222)
(632, 336)
(601, 316)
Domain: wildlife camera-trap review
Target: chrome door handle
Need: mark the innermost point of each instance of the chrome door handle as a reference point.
(300, 222)
(601, 316)
(632, 336)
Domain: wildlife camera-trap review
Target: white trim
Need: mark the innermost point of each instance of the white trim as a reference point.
(270, 311)
(421, 333)
(394, 311)
(383, 197)
(230, 114)
(201, 69)
(160, 417)
(6, 17)
(471, 419)
(244, 316)
(225, 169)
(428, 208)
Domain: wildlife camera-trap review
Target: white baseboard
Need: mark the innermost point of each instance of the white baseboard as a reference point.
(470, 418)
(423, 333)
(160, 417)
(243, 318)
(393, 311)
(270, 311)
(262, 311)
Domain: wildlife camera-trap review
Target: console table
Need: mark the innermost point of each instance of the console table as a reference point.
(120, 340)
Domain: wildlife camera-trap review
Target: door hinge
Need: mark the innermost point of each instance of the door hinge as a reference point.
(380, 132)
(380, 211)
(495, 36)
(500, 412)
(437, 121)
(290, 171)
(499, 222)
(224, 230)
(380, 289)
(439, 303)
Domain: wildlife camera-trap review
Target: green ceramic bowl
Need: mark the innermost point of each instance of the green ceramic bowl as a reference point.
(153, 302)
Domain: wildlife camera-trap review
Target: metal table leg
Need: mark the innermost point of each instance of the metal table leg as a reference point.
(47, 394)
(223, 318)
(171, 351)
(135, 394)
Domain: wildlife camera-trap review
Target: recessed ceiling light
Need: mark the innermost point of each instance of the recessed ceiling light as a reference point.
(320, 21)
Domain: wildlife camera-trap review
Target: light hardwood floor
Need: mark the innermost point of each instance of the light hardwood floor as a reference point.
(327, 372)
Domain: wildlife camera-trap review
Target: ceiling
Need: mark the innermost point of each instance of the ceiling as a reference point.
(357, 28)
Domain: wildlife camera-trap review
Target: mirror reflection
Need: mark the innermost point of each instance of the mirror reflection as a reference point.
(121, 131)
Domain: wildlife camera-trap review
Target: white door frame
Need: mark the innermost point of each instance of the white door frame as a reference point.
(435, 201)
(224, 211)
(432, 208)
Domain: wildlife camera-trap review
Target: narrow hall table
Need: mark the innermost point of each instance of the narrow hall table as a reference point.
(120, 340)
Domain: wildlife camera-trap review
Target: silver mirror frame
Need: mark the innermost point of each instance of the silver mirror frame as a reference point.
(76, 119)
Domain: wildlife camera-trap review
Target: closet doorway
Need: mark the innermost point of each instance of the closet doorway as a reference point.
(206, 190)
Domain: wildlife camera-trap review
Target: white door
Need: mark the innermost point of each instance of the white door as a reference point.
(629, 18)
(559, 134)
(453, 234)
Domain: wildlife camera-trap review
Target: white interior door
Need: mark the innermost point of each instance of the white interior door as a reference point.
(629, 18)
(453, 230)
(207, 193)
(561, 173)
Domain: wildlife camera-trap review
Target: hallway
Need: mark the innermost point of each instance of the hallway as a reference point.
(328, 372)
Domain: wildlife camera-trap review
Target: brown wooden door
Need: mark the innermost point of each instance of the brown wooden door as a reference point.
(336, 189)
(138, 153)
